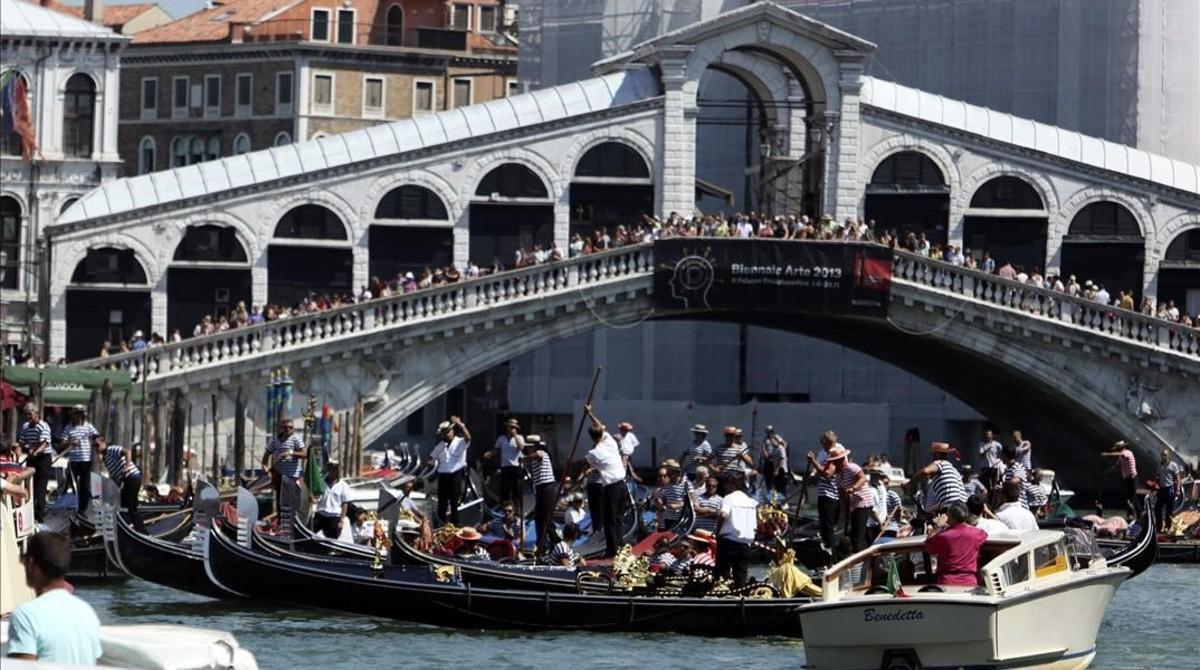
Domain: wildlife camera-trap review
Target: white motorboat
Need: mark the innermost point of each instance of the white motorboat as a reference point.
(1014, 617)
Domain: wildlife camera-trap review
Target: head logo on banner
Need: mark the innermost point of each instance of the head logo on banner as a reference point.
(836, 278)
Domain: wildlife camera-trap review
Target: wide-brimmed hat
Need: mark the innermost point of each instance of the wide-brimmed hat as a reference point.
(78, 409)
(940, 447)
(624, 425)
(671, 463)
(770, 428)
(1120, 444)
(468, 534)
(512, 423)
(731, 430)
(700, 535)
(444, 426)
(533, 439)
(700, 428)
(837, 452)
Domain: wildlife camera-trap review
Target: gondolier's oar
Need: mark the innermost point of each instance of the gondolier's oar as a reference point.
(574, 445)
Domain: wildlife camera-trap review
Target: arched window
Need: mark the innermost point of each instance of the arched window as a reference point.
(79, 116)
(411, 202)
(612, 159)
(512, 180)
(212, 149)
(1105, 220)
(108, 265)
(1006, 193)
(908, 170)
(282, 139)
(10, 142)
(146, 155)
(10, 242)
(395, 26)
(196, 150)
(310, 222)
(1185, 247)
(179, 152)
(67, 205)
(209, 243)
(241, 144)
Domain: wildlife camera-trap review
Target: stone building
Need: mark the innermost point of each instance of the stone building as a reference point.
(68, 67)
(125, 19)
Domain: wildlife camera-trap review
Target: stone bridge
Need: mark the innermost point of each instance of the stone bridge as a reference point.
(1078, 374)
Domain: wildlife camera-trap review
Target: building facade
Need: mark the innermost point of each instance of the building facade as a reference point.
(68, 68)
(247, 75)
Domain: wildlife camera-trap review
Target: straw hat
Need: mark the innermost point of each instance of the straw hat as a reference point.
(468, 534)
(700, 428)
(940, 447)
(731, 430)
(512, 423)
(444, 426)
(78, 409)
(838, 452)
(625, 425)
(700, 535)
(533, 439)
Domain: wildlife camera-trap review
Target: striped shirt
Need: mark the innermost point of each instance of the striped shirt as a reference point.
(33, 435)
(1168, 475)
(663, 560)
(991, 452)
(1034, 496)
(976, 488)
(1013, 471)
(693, 455)
(779, 457)
(729, 458)
(79, 441)
(826, 486)
(1025, 454)
(945, 487)
(860, 497)
(893, 504)
(501, 528)
(1128, 464)
(672, 496)
(289, 466)
(710, 503)
(114, 461)
(560, 551)
(540, 469)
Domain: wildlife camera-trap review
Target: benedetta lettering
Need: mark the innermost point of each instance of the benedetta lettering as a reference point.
(871, 614)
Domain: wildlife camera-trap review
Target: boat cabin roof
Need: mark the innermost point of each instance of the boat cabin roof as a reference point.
(1008, 546)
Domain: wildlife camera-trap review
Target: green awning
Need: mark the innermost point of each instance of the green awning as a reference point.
(67, 386)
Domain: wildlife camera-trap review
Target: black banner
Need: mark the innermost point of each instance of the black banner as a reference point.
(850, 278)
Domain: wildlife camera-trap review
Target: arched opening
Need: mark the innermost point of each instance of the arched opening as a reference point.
(611, 187)
(511, 211)
(730, 136)
(10, 139)
(1179, 272)
(395, 26)
(1104, 244)
(282, 138)
(209, 275)
(241, 144)
(79, 116)
(108, 300)
(908, 193)
(67, 205)
(146, 155)
(1007, 220)
(411, 231)
(10, 243)
(310, 254)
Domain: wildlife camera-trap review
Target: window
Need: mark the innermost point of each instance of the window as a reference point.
(395, 26)
(282, 139)
(323, 93)
(283, 92)
(462, 92)
(245, 94)
(460, 17)
(67, 205)
(320, 25)
(146, 155)
(512, 87)
(372, 96)
(10, 242)
(149, 97)
(179, 96)
(179, 152)
(423, 95)
(345, 26)
(241, 144)
(1016, 570)
(196, 150)
(10, 141)
(212, 149)
(212, 95)
(487, 19)
(79, 115)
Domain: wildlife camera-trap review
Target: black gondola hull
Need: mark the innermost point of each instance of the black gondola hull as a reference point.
(166, 563)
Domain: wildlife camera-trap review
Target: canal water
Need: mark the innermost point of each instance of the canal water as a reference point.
(1154, 622)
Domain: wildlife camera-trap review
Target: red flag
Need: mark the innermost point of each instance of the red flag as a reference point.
(23, 122)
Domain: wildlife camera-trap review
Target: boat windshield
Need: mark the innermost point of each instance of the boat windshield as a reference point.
(911, 565)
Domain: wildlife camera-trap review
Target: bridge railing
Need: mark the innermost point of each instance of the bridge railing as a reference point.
(1113, 321)
(381, 313)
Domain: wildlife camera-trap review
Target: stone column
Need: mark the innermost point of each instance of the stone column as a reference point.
(842, 190)
(462, 237)
(677, 162)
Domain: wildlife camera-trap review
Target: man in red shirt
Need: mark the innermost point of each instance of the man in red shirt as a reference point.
(956, 548)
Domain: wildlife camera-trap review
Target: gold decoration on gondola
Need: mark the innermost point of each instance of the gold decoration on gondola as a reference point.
(444, 573)
(772, 514)
(631, 571)
(381, 541)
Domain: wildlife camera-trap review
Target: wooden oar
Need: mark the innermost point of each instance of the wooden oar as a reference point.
(574, 445)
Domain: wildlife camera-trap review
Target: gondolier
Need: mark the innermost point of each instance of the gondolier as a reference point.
(828, 499)
(735, 529)
(1128, 462)
(284, 457)
(78, 440)
(509, 447)
(698, 453)
(544, 487)
(35, 441)
(604, 461)
(122, 470)
(629, 443)
(990, 449)
(945, 482)
(450, 455)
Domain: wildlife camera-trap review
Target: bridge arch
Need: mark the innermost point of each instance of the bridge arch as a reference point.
(270, 217)
(209, 275)
(411, 229)
(1105, 243)
(927, 209)
(512, 210)
(381, 187)
(108, 299)
(1178, 272)
(310, 253)
(1007, 216)
(611, 185)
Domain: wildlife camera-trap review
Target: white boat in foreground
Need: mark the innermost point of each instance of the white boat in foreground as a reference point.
(1036, 605)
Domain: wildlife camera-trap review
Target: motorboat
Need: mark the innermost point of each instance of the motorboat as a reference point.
(882, 608)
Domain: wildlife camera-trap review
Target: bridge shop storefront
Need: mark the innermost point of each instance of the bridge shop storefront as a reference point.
(411, 231)
(1104, 244)
(108, 300)
(309, 255)
(512, 210)
(1179, 272)
(1007, 219)
(611, 187)
(208, 276)
(909, 193)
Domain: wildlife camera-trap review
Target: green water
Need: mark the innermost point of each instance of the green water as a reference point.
(1154, 622)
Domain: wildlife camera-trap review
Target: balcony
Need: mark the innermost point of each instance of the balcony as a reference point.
(357, 34)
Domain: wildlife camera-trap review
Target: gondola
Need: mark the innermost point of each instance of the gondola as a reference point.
(489, 574)
(595, 546)
(91, 561)
(418, 594)
(1186, 551)
(1137, 554)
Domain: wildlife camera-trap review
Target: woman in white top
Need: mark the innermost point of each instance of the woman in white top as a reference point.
(332, 505)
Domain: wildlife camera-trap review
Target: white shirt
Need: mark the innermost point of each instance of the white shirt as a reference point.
(606, 458)
(740, 513)
(879, 495)
(629, 443)
(510, 450)
(993, 527)
(1017, 517)
(333, 498)
(451, 457)
(575, 515)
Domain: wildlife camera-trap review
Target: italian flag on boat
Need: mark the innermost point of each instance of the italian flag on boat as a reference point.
(893, 582)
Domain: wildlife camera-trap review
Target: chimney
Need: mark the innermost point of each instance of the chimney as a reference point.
(93, 10)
